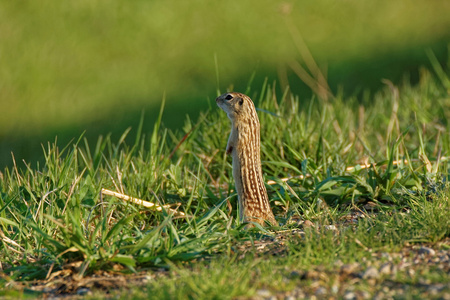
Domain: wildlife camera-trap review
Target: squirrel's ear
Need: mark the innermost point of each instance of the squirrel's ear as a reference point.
(241, 101)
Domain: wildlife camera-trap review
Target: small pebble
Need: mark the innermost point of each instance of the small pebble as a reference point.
(330, 227)
(371, 273)
(435, 289)
(335, 289)
(385, 269)
(264, 293)
(427, 251)
(350, 296)
(365, 295)
(379, 296)
(321, 291)
(83, 291)
(349, 268)
(386, 255)
(411, 272)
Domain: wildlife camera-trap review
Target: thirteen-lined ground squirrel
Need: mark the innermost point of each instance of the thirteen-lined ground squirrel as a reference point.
(244, 146)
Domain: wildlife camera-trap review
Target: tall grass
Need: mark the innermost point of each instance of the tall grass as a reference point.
(54, 214)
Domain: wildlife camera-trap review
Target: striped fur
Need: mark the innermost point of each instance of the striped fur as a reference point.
(244, 146)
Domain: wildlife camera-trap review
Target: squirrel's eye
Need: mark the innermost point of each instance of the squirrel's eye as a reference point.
(229, 97)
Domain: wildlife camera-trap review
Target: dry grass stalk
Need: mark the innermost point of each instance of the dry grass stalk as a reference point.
(142, 202)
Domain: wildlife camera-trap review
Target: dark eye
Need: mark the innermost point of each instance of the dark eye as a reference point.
(229, 97)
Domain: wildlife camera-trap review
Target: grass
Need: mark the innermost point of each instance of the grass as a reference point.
(52, 215)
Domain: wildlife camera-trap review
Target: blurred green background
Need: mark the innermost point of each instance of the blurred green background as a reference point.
(95, 65)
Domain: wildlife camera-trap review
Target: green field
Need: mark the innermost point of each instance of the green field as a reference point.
(67, 67)
(355, 150)
(343, 232)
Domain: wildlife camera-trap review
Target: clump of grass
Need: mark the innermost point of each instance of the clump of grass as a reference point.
(53, 214)
(319, 251)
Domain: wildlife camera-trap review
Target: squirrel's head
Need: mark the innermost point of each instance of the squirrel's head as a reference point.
(237, 106)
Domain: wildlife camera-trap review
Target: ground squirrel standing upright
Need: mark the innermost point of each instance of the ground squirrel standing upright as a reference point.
(244, 145)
